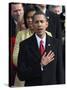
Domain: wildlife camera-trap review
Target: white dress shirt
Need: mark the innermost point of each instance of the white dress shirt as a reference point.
(39, 39)
(44, 10)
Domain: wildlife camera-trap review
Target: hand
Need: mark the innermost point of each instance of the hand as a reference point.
(47, 58)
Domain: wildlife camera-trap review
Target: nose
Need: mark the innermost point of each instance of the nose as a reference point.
(39, 23)
(30, 19)
(18, 13)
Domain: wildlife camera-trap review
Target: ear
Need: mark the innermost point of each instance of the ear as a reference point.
(46, 24)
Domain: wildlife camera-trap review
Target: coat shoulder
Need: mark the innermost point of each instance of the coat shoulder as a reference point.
(26, 41)
(53, 40)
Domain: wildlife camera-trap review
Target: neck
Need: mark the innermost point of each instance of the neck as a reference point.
(42, 36)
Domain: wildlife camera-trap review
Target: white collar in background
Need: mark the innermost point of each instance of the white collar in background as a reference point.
(44, 10)
(15, 21)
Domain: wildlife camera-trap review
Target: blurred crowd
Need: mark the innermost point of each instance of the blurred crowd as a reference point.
(21, 27)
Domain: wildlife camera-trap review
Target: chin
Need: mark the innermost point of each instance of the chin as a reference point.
(40, 34)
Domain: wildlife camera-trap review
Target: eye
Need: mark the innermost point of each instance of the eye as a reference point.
(36, 21)
(17, 10)
(41, 21)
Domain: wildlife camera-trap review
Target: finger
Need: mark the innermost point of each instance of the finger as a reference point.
(44, 54)
(52, 55)
(49, 52)
(50, 60)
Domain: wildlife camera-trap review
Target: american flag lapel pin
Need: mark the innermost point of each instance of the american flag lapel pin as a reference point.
(49, 45)
(47, 17)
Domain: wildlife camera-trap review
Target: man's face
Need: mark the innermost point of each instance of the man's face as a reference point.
(58, 10)
(29, 19)
(17, 11)
(40, 24)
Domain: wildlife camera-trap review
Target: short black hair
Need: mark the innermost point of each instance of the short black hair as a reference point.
(40, 13)
(14, 3)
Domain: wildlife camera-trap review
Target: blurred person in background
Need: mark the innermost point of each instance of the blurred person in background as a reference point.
(56, 9)
(60, 10)
(16, 12)
(21, 36)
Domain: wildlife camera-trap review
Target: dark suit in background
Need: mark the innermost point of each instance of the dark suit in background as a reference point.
(29, 68)
(54, 24)
(12, 36)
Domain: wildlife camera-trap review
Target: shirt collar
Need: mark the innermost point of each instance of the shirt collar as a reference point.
(39, 39)
(44, 10)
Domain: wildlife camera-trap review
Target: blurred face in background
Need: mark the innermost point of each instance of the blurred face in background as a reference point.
(29, 19)
(57, 10)
(17, 11)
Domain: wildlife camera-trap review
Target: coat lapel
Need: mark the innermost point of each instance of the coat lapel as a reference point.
(48, 44)
(34, 48)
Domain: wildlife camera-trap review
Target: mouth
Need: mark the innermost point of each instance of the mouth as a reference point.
(40, 29)
(29, 22)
